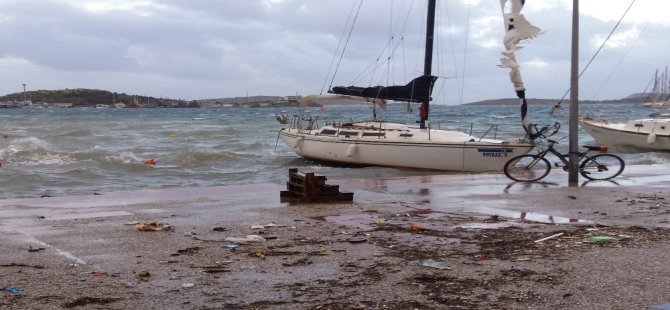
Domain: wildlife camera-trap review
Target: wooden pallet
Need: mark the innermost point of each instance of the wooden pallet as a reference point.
(307, 187)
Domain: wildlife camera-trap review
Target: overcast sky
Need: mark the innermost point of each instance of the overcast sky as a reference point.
(198, 49)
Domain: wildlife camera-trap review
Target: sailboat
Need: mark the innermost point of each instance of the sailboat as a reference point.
(660, 92)
(643, 133)
(651, 133)
(381, 143)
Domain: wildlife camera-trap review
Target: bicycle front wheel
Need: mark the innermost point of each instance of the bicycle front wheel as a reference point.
(527, 168)
(602, 167)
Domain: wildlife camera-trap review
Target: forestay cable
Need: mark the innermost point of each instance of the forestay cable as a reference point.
(558, 104)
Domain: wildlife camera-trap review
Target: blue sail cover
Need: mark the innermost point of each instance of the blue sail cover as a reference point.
(418, 90)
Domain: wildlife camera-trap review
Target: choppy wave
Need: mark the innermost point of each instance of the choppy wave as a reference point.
(33, 154)
(80, 151)
(124, 158)
(191, 157)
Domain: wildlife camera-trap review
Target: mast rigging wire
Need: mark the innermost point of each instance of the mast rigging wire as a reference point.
(558, 104)
(353, 23)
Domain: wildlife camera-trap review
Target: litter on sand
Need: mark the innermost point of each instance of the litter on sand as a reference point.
(246, 240)
(152, 226)
(549, 237)
(434, 264)
(601, 239)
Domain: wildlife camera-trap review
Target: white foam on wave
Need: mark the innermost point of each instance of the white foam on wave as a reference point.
(33, 153)
(649, 158)
(124, 157)
(45, 159)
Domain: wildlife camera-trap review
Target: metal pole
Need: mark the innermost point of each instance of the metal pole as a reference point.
(24, 92)
(573, 163)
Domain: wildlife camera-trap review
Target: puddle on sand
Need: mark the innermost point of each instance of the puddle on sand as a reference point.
(87, 215)
(549, 219)
(360, 220)
(506, 218)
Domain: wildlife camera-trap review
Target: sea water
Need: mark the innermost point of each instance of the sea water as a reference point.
(82, 151)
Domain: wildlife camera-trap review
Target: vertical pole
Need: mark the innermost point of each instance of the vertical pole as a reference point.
(573, 163)
(24, 92)
(428, 60)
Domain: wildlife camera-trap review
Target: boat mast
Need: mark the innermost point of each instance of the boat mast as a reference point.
(428, 61)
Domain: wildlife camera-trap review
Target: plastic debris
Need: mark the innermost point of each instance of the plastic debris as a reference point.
(143, 275)
(549, 237)
(215, 269)
(230, 246)
(13, 289)
(187, 285)
(246, 240)
(357, 239)
(433, 264)
(601, 239)
(219, 229)
(481, 257)
(190, 250)
(31, 249)
(150, 161)
(416, 228)
(152, 226)
(257, 227)
(36, 266)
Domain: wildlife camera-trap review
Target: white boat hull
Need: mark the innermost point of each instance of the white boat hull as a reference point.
(650, 134)
(406, 148)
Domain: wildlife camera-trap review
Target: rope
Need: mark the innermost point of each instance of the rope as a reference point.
(346, 43)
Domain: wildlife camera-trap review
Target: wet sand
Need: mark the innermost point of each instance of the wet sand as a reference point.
(430, 242)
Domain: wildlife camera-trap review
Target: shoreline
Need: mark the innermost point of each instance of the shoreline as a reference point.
(427, 242)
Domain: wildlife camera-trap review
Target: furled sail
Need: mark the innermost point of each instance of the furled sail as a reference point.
(418, 90)
(517, 29)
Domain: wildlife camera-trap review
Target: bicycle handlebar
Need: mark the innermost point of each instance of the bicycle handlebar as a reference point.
(542, 132)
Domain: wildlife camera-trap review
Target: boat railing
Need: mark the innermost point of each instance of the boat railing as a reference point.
(492, 132)
(495, 132)
(303, 122)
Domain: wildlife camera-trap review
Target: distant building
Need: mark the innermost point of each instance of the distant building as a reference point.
(293, 98)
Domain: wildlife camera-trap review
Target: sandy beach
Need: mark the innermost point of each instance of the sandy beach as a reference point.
(473, 241)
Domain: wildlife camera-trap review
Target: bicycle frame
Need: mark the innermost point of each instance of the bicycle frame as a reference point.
(534, 167)
(562, 157)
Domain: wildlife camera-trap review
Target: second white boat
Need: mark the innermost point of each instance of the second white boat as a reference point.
(646, 133)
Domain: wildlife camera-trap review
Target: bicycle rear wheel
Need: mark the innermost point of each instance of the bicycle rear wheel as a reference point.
(602, 167)
(527, 168)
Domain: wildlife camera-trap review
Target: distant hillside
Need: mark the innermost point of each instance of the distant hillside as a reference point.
(514, 101)
(240, 100)
(82, 97)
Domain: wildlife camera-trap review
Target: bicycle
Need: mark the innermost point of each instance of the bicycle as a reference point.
(530, 168)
